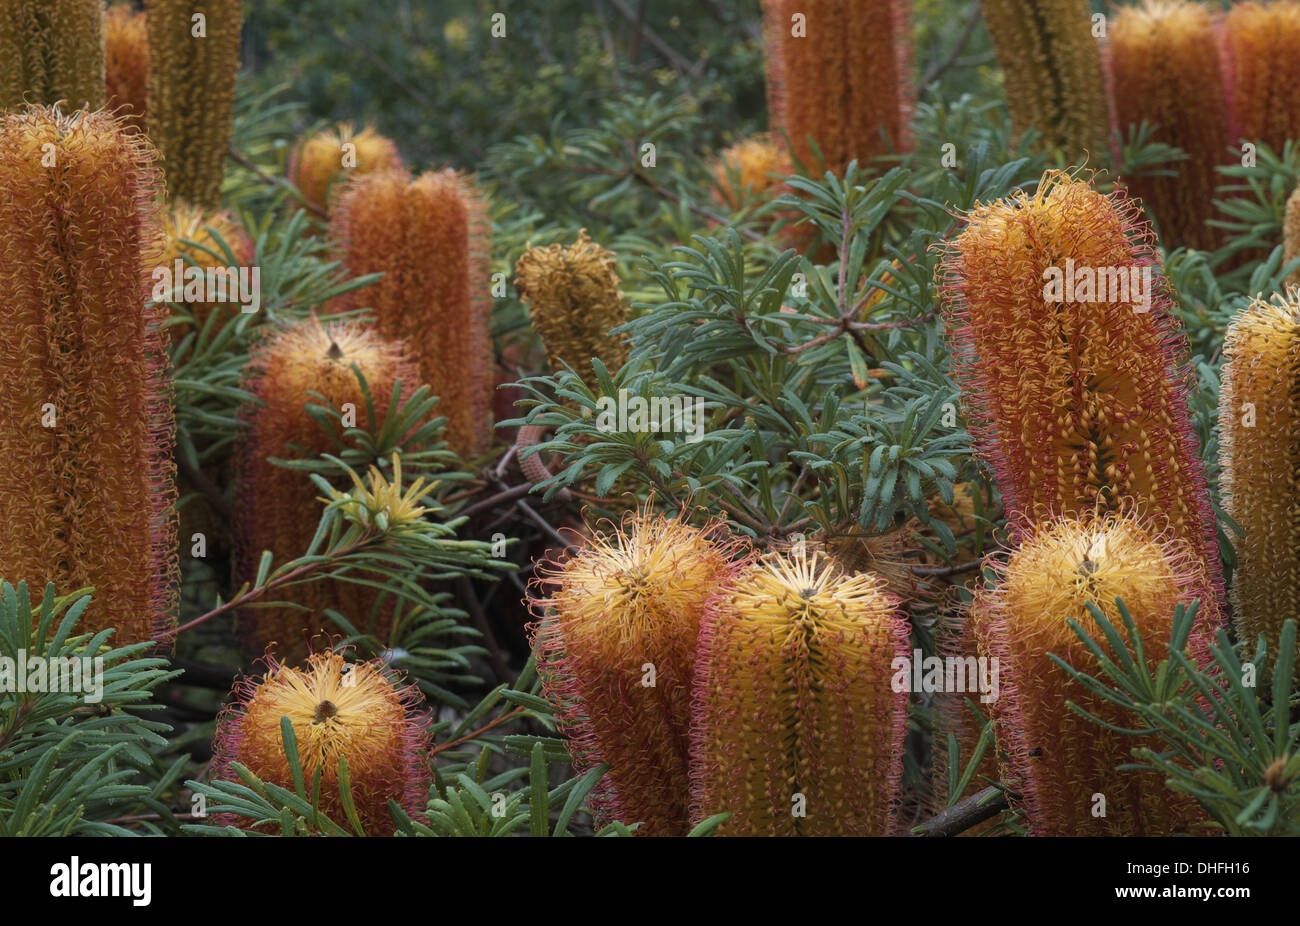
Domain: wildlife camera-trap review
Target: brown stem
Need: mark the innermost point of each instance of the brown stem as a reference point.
(964, 814)
(474, 734)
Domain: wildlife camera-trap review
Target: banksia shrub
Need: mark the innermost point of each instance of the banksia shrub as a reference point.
(278, 509)
(1259, 427)
(323, 160)
(1076, 386)
(574, 302)
(338, 712)
(1259, 41)
(126, 64)
(615, 643)
(1052, 67)
(799, 729)
(1064, 764)
(52, 50)
(838, 77)
(430, 238)
(188, 232)
(86, 425)
(1164, 65)
(192, 69)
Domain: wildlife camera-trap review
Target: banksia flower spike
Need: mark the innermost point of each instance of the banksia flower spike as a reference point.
(838, 73)
(430, 238)
(1164, 66)
(615, 644)
(798, 726)
(126, 64)
(193, 62)
(1052, 67)
(52, 51)
(190, 241)
(86, 426)
(277, 508)
(1259, 41)
(1064, 764)
(1072, 363)
(339, 712)
(325, 159)
(1259, 427)
(575, 302)
(753, 171)
(1291, 235)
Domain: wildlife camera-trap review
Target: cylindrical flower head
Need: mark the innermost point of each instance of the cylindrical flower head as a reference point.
(798, 727)
(277, 509)
(1259, 41)
(430, 237)
(838, 71)
(187, 223)
(126, 64)
(574, 301)
(52, 50)
(1072, 363)
(1064, 764)
(193, 62)
(1259, 427)
(1164, 65)
(354, 712)
(86, 425)
(1291, 235)
(615, 645)
(1051, 66)
(325, 159)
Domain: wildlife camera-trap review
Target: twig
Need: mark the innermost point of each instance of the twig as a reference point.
(313, 207)
(938, 571)
(936, 70)
(542, 523)
(479, 617)
(966, 813)
(503, 497)
(474, 734)
(679, 62)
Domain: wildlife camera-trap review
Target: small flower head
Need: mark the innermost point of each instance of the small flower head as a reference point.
(752, 169)
(325, 159)
(338, 711)
(191, 237)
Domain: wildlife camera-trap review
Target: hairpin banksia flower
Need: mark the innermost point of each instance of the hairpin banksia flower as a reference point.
(277, 509)
(193, 62)
(1064, 765)
(323, 160)
(1259, 42)
(1291, 235)
(798, 727)
(190, 234)
(839, 78)
(1053, 74)
(1072, 363)
(86, 425)
(753, 171)
(615, 644)
(1259, 427)
(126, 64)
(429, 236)
(52, 51)
(339, 711)
(1164, 67)
(574, 302)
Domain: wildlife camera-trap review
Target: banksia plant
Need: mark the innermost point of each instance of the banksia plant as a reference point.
(1291, 236)
(430, 238)
(1164, 66)
(277, 509)
(193, 63)
(798, 727)
(1259, 427)
(838, 79)
(1052, 67)
(615, 643)
(753, 168)
(1076, 392)
(126, 64)
(86, 427)
(189, 239)
(1064, 765)
(52, 51)
(340, 713)
(324, 159)
(574, 302)
(1259, 41)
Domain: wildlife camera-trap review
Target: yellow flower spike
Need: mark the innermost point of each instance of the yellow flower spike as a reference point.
(324, 160)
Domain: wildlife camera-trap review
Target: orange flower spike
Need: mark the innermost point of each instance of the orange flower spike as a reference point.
(338, 711)
(1259, 43)
(126, 40)
(86, 427)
